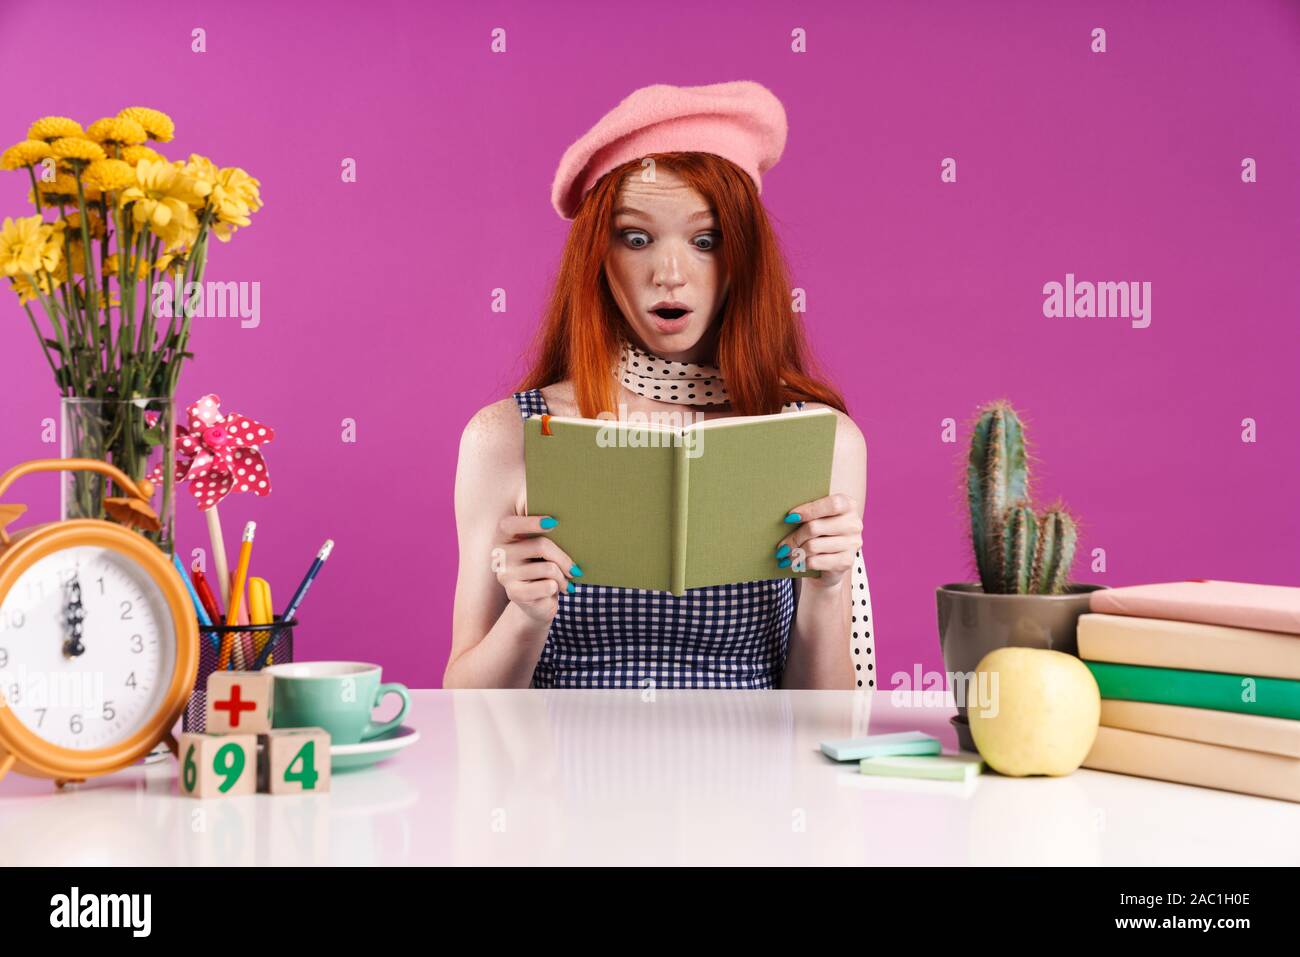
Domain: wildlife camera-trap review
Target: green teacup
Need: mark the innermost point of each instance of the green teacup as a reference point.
(338, 696)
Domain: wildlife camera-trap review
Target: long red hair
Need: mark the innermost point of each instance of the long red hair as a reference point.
(760, 342)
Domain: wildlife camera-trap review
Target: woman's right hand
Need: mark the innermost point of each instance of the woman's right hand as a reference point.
(530, 567)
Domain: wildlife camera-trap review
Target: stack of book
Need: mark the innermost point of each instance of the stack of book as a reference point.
(1200, 684)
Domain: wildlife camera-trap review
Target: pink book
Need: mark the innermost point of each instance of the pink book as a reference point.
(1236, 604)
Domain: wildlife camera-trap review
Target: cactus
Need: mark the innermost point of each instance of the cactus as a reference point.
(1019, 548)
(1016, 551)
(996, 477)
(1057, 537)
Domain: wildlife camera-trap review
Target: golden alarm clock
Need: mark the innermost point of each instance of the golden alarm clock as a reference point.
(98, 638)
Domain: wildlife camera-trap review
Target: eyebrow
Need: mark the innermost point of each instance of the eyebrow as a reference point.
(702, 214)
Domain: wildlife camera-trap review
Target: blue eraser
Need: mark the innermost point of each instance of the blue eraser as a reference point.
(901, 742)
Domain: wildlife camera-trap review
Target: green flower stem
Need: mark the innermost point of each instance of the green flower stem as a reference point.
(92, 300)
(127, 290)
(37, 329)
(108, 299)
(36, 190)
(148, 348)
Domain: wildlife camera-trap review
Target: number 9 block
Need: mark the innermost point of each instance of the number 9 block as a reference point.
(217, 765)
(295, 761)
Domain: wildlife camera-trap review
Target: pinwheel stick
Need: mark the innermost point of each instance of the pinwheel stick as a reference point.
(219, 553)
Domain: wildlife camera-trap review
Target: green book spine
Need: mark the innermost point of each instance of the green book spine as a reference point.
(1271, 697)
(681, 496)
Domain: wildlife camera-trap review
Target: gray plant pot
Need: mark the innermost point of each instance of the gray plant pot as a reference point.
(971, 624)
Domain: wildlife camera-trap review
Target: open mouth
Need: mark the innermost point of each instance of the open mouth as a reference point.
(670, 313)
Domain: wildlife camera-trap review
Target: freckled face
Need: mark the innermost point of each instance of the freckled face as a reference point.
(663, 266)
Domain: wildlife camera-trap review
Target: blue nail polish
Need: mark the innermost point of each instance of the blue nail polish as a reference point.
(575, 570)
(793, 518)
(783, 563)
(571, 589)
(549, 522)
(783, 551)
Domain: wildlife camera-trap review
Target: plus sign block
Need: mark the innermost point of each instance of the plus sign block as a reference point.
(239, 702)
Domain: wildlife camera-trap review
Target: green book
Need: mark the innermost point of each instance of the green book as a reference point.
(664, 507)
(1272, 697)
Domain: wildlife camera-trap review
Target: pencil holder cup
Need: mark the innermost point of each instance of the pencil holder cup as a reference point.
(254, 637)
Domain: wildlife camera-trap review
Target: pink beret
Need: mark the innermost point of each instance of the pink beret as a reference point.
(741, 121)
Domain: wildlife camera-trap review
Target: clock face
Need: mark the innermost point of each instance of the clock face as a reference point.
(87, 647)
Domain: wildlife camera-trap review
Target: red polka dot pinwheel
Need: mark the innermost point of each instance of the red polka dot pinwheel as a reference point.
(218, 454)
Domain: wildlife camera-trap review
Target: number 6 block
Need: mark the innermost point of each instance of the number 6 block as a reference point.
(217, 765)
(295, 761)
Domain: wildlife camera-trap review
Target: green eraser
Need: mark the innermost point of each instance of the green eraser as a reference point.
(901, 742)
(942, 767)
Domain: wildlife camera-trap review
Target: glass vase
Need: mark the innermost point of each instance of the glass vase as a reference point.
(135, 435)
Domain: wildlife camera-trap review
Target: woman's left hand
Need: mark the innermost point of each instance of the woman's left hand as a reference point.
(827, 539)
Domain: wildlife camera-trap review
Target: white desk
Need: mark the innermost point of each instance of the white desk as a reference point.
(701, 777)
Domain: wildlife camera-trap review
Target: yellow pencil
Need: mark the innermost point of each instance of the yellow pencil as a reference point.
(237, 593)
(259, 610)
(269, 604)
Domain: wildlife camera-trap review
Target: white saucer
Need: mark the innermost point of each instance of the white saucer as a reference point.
(348, 757)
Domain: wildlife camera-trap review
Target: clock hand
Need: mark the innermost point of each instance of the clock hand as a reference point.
(74, 616)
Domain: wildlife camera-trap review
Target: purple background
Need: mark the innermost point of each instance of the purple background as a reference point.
(925, 298)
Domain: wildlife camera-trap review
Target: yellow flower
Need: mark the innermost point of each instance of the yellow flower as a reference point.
(246, 187)
(76, 258)
(116, 131)
(24, 153)
(202, 168)
(134, 154)
(95, 224)
(27, 292)
(50, 128)
(25, 246)
(157, 125)
(62, 189)
(235, 195)
(162, 198)
(108, 175)
(111, 267)
(77, 149)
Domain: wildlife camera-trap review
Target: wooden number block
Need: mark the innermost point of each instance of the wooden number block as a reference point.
(295, 761)
(239, 702)
(218, 765)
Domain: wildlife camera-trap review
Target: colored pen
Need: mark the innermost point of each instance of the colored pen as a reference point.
(206, 596)
(269, 603)
(298, 596)
(199, 610)
(241, 649)
(258, 612)
(237, 592)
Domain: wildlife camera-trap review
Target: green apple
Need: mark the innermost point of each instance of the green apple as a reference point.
(1041, 712)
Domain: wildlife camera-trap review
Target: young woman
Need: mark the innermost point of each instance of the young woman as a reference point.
(672, 292)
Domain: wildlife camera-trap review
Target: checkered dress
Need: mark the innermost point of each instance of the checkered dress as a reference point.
(720, 636)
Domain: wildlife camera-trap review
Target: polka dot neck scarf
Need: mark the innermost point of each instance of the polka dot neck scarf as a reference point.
(686, 383)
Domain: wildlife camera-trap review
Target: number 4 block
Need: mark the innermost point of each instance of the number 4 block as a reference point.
(218, 765)
(295, 760)
(239, 702)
